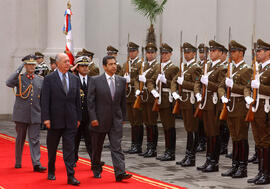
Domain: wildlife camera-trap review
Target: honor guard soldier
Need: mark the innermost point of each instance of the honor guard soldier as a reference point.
(224, 130)
(212, 75)
(131, 71)
(260, 85)
(238, 76)
(41, 69)
(160, 87)
(190, 72)
(83, 131)
(113, 52)
(53, 65)
(93, 69)
(201, 133)
(26, 110)
(147, 100)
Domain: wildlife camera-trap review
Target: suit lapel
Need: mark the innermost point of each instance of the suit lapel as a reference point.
(106, 86)
(71, 82)
(58, 81)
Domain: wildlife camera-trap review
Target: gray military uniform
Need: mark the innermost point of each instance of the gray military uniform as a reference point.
(26, 114)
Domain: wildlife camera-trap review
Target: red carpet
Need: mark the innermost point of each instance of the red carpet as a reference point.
(25, 177)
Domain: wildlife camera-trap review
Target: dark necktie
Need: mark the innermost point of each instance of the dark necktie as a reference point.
(64, 82)
(112, 89)
(84, 84)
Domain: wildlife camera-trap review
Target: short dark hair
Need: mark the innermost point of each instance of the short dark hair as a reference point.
(106, 58)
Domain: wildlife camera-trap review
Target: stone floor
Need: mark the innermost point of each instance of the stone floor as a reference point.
(167, 171)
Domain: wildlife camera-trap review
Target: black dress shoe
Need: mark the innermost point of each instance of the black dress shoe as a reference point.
(202, 167)
(190, 162)
(182, 161)
(97, 174)
(18, 166)
(51, 177)
(73, 181)
(124, 176)
(264, 179)
(39, 168)
(257, 177)
(150, 153)
(212, 167)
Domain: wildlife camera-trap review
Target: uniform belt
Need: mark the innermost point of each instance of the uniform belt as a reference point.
(167, 90)
(186, 91)
(236, 95)
(264, 97)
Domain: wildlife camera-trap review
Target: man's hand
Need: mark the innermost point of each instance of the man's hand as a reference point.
(94, 123)
(142, 78)
(198, 97)
(127, 77)
(180, 80)
(249, 100)
(204, 80)
(224, 100)
(255, 84)
(78, 124)
(229, 82)
(47, 123)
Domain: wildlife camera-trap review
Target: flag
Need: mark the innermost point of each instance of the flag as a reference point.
(67, 32)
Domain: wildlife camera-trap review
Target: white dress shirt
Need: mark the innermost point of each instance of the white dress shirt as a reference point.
(81, 78)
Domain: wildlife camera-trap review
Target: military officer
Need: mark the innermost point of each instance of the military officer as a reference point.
(237, 78)
(83, 131)
(131, 71)
(26, 110)
(160, 87)
(41, 69)
(53, 65)
(261, 122)
(93, 69)
(213, 74)
(113, 52)
(147, 100)
(191, 72)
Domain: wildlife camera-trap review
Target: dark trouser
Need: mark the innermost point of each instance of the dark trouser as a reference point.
(53, 138)
(118, 158)
(34, 144)
(83, 130)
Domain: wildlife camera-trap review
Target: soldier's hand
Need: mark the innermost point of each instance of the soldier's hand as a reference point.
(78, 124)
(204, 80)
(198, 97)
(94, 123)
(47, 123)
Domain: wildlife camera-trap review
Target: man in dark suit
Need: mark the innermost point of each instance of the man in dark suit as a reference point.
(61, 114)
(107, 107)
(82, 63)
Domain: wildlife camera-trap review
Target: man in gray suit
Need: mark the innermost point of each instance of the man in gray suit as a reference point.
(26, 110)
(107, 109)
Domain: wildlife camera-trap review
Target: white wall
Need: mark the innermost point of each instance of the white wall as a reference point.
(30, 25)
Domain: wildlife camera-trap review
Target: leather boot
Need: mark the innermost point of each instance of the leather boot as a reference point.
(188, 148)
(149, 134)
(258, 176)
(208, 152)
(133, 146)
(213, 165)
(153, 149)
(225, 136)
(170, 140)
(191, 156)
(235, 161)
(254, 158)
(265, 176)
(201, 138)
(243, 158)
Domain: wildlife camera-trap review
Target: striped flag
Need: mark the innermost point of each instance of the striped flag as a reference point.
(67, 32)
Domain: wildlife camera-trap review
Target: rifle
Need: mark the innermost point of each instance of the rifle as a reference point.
(196, 48)
(177, 103)
(224, 112)
(127, 65)
(137, 103)
(198, 112)
(250, 114)
(157, 100)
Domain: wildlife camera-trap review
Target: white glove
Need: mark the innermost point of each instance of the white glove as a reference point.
(137, 93)
(158, 78)
(248, 100)
(142, 78)
(224, 100)
(180, 80)
(204, 80)
(229, 82)
(163, 79)
(175, 96)
(155, 93)
(255, 84)
(127, 77)
(198, 97)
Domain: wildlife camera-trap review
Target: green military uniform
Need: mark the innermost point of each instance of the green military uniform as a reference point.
(113, 51)
(169, 70)
(93, 69)
(241, 74)
(261, 122)
(147, 102)
(41, 69)
(134, 115)
(210, 106)
(190, 73)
